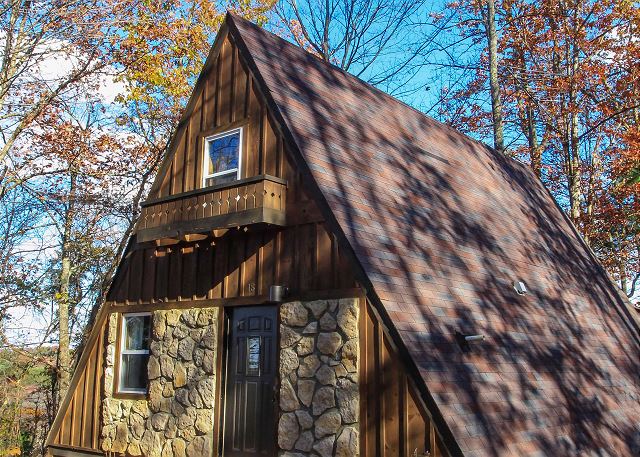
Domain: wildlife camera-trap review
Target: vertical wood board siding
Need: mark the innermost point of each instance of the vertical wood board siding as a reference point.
(226, 100)
(239, 264)
(80, 426)
(393, 422)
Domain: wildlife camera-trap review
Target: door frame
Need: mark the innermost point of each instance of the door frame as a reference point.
(226, 314)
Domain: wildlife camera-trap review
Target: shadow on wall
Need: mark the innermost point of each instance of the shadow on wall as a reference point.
(443, 226)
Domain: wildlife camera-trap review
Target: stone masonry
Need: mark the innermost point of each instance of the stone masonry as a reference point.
(176, 418)
(319, 396)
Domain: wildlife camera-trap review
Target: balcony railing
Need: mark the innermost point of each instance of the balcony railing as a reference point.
(256, 200)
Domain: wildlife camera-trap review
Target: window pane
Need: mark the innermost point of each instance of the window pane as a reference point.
(133, 371)
(223, 153)
(221, 179)
(253, 356)
(137, 330)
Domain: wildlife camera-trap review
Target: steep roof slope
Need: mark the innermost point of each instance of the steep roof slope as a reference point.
(443, 226)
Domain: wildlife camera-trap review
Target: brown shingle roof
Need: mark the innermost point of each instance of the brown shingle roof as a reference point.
(442, 226)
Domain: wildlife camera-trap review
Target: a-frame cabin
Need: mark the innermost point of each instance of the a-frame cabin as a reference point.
(320, 270)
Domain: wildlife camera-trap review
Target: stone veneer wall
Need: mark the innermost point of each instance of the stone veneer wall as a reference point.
(319, 392)
(176, 419)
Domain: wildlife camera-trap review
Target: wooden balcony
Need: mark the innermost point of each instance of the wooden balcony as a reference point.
(256, 200)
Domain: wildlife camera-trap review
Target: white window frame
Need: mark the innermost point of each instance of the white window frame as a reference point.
(124, 351)
(205, 155)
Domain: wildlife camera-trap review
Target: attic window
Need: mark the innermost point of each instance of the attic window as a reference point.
(134, 352)
(222, 158)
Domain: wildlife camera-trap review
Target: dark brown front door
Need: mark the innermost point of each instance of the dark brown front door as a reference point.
(251, 374)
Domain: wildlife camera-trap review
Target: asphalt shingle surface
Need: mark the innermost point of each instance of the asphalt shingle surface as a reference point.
(443, 226)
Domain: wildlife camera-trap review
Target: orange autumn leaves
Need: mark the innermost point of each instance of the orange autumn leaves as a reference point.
(569, 74)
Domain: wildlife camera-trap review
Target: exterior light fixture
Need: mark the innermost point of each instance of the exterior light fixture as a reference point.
(277, 294)
(520, 287)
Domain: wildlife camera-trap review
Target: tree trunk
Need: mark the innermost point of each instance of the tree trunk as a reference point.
(623, 277)
(496, 103)
(64, 346)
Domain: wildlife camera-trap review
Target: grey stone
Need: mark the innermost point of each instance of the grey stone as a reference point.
(323, 399)
(140, 407)
(305, 346)
(207, 317)
(196, 334)
(317, 307)
(166, 366)
(136, 425)
(171, 429)
(204, 421)
(329, 343)
(168, 391)
(119, 443)
(328, 423)
(155, 348)
(294, 314)
(208, 339)
(113, 408)
(288, 361)
(326, 375)
(333, 305)
(179, 375)
(348, 317)
(209, 361)
(347, 443)
(179, 447)
(134, 449)
(190, 317)
(167, 451)
(308, 366)
(172, 316)
(305, 442)
(288, 336)
(159, 327)
(311, 328)
(150, 444)
(305, 391)
(195, 399)
(349, 355)
(198, 356)
(199, 447)
(159, 421)
(182, 396)
(172, 348)
(304, 419)
(185, 348)
(328, 322)
(206, 388)
(180, 332)
(340, 370)
(348, 400)
(288, 431)
(176, 409)
(288, 397)
(324, 447)
(187, 419)
(187, 434)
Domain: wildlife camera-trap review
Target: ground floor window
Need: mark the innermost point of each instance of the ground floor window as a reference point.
(134, 352)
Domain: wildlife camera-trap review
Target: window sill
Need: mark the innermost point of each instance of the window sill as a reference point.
(131, 395)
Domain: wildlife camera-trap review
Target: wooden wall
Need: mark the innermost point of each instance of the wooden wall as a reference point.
(393, 421)
(227, 99)
(239, 264)
(78, 423)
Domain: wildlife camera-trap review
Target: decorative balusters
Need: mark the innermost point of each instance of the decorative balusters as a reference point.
(264, 193)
